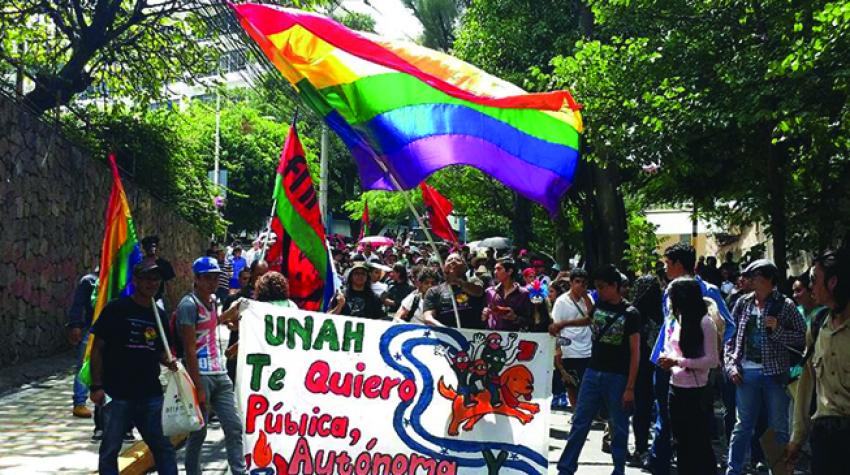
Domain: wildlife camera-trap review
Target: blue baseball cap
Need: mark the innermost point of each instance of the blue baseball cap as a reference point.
(206, 265)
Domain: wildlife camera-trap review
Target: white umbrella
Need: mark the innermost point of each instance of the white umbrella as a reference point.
(497, 243)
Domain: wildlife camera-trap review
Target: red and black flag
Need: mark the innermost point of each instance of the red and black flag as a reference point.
(300, 250)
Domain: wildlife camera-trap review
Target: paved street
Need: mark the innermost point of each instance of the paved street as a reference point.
(38, 434)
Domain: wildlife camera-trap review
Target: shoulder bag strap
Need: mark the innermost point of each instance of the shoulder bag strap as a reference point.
(608, 323)
(583, 315)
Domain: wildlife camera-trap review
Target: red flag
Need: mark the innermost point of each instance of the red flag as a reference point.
(364, 225)
(299, 250)
(438, 212)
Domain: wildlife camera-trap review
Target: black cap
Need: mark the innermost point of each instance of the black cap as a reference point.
(150, 240)
(761, 266)
(147, 265)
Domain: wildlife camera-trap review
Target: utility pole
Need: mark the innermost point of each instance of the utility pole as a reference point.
(217, 151)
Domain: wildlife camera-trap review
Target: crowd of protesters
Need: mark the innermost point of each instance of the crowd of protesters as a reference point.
(656, 352)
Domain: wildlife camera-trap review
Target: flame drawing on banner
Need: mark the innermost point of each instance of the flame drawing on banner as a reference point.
(262, 451)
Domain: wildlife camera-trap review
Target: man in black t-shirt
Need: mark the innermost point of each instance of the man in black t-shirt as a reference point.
(468, 295)
(610, 375)
(125, 359)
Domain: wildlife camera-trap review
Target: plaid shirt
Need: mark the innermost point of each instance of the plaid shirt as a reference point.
(791, 332)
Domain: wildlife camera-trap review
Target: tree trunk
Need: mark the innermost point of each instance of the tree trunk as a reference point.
(562, 250)
(53, 90)
(777, 157)
(605, 221)
(609, 215)
(521, 221)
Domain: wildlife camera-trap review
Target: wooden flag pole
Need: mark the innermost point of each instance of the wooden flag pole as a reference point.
(268, 230)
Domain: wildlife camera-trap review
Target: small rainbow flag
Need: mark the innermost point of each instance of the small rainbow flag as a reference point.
(119, 253)
(415, 110)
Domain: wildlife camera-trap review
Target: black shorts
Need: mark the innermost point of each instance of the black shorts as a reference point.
(576, 367)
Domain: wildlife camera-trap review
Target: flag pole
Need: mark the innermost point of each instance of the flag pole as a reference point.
(323, 180)
(421, 222)
(274, 199)
(268, 230)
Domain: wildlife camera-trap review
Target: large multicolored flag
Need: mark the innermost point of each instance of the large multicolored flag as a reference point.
(439, 208)
(300, 251)
(412, 111)
(119, 252)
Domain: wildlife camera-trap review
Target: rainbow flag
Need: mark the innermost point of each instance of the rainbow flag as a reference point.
(415, 111)
(300, 250)
(119, 253)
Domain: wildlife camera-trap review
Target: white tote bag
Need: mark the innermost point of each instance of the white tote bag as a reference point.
(181, 412)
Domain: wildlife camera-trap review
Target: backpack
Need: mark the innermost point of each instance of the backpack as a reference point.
(795, 355)
(815, 326)
(175, 340)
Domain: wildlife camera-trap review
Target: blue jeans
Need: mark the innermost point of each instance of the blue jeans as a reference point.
(597, 388)
(757, 391)
(81, 392)
(146, 415)
(661, 452)
(220, 397)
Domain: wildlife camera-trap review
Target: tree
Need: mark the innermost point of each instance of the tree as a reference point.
(438, 18)
(128, 48)
(356, 21)
(153, 152)
(750, 108)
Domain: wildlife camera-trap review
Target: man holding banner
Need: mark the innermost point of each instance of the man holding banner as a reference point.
(125, 359)
(198, 320)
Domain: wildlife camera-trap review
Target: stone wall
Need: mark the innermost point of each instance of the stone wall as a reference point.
(53, 197)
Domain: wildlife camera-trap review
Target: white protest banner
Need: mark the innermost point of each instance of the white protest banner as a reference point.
(327, 394)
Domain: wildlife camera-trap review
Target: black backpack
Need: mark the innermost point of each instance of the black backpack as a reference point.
(814, 327)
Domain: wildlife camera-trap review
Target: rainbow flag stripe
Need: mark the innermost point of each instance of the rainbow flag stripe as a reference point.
(119, 252)
(417, 110)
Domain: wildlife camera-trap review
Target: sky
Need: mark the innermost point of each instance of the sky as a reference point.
(392, 19)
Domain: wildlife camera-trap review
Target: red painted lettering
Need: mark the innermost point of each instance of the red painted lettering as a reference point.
(257, 406)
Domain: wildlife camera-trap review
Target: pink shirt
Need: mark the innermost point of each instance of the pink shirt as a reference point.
(693, 372)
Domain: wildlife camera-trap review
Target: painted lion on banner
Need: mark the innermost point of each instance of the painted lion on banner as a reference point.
(517, 383)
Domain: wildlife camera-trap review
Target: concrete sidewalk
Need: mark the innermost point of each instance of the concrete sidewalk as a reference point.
(39, 435)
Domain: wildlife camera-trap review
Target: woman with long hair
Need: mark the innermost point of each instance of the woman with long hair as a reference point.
(690, 352)
(358, 299)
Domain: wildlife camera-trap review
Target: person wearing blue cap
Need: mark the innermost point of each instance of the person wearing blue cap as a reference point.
(198, 320)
